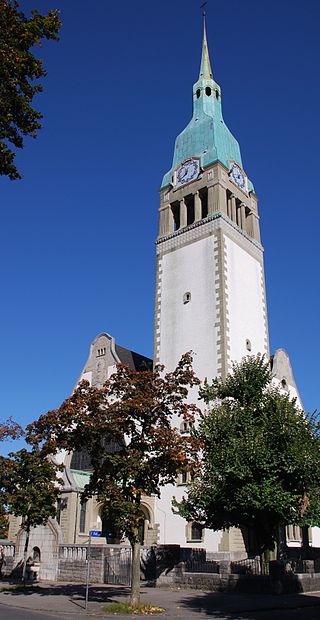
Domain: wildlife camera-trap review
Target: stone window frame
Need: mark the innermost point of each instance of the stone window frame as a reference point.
(82, 517)
(293, 533)
(101, 352)
(183, 479)
(189, 534)
(185, 427)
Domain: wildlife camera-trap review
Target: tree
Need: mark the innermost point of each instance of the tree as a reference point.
(28, 489)
(4, 524)
(9, 429)
(19, 69)
(126, 428)
(261, 457)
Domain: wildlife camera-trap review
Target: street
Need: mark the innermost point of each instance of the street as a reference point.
(309, 613)
(184, 605)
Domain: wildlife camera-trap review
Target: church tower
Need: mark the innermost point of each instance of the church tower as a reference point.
(210, 290)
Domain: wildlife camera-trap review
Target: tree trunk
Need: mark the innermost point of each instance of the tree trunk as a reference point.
(265, 561)
(305, 542)
(135, 573)
(282, 543)
(25, 555)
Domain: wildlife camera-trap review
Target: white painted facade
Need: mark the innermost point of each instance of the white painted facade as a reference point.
(173, 529)
(210, 299)
(189, 326)
(246, 303)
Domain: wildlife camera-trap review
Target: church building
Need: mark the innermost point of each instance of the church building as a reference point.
(210, 299)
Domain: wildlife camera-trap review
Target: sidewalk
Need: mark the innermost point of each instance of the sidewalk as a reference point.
(60, 598)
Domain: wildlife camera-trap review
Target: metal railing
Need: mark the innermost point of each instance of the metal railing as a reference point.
(249, 566)
(199, 566)
(117, 567)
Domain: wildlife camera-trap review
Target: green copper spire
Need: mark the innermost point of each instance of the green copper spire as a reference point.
(206, 136)
(205, 68)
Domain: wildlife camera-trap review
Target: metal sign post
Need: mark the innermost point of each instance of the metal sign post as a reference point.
(88, 571)
(92, 534)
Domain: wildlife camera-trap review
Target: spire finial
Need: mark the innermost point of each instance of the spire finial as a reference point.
(205, 68)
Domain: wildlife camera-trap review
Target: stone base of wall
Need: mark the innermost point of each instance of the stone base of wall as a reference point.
(72, 571)
(72, 565)
(7, 567)
(255, 584)
(171, 566)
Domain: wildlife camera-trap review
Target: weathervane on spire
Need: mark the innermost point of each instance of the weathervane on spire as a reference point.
(202, 7)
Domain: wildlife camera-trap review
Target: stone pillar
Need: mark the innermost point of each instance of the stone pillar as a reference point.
(217, 199)
(161, 227)
(197, 207)
(210, 199)
(238, 212)
(255, 227)
(170, 220)
(233, 209)
(166, 221)
(250, 224)
(222, 199)
(183, 214)
(229, 207)
(243, 216)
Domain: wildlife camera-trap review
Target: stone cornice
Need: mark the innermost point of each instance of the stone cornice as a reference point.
(210, 218)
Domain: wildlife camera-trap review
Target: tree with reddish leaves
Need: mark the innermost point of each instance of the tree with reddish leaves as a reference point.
(126, 428)
(9, 429)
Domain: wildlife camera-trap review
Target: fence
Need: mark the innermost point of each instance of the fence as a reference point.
(249, 567)
(73, 552)
(117, 567)
(201, 566)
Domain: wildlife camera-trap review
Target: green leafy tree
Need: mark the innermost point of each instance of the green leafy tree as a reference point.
(28, 489)
(19, 72)
(261, 458)
(126, 429)
(4, 523)
(9, 429)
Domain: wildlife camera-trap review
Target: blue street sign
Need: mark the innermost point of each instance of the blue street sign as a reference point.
(95, 533)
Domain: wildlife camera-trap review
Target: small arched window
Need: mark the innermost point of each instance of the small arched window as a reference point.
(82, 520)
(208, 91)
(198, 93)
(185, 426)
(196, 531)
(186, 297)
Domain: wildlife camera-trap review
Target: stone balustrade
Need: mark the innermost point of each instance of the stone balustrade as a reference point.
(73, 552)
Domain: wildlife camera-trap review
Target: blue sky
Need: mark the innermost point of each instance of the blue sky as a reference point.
(78, 232)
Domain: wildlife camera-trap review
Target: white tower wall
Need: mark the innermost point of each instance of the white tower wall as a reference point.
(246, 303)
(189, 325)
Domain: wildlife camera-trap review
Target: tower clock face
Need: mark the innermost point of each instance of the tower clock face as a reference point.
(188, 171)
(238, 177)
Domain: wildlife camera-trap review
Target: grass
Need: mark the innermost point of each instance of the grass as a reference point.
(144, 609)
(5, 587)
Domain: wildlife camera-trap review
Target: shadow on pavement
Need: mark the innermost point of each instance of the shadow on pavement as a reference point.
(98, 594)
(241, 607)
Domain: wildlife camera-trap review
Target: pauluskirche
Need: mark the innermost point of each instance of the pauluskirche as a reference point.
(210, 298)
